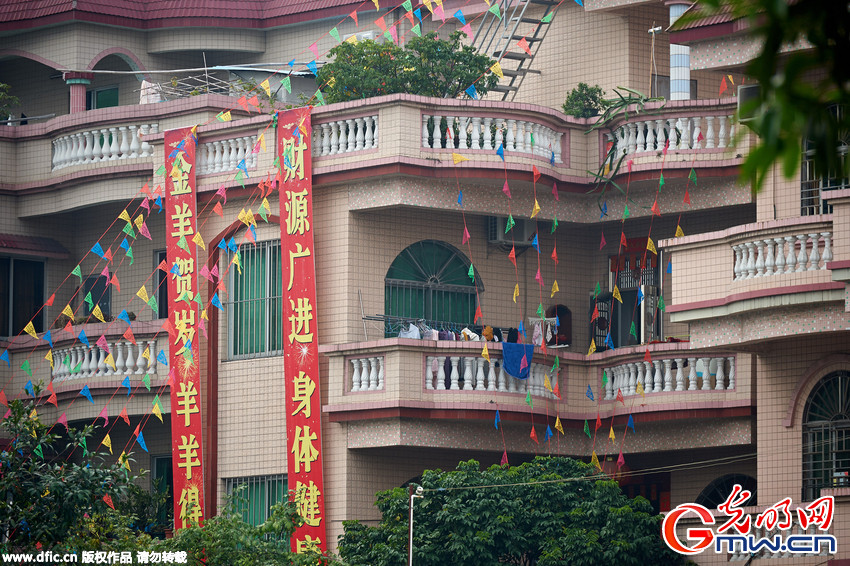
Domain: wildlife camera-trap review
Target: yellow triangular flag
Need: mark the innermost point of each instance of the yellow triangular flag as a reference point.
(224, 116)
(611, 433)
(516, 291)
(123, 459)
(147, 353)
(241, 217)
(199, 241)
(639, 389)
(546, 383)
(98, 314)
(110, 361)
(124, 216)
(107, 442)
(497, 69)
(650, 246)
(617, 294)
(428, 5)
(30, 329)
(68, 312)
(558, 426)
(375, 2)
(250, 216)
(679, 232)
(535, 209)
(730, 79)
(262, 141)
(268, 90)
(266, 205)
(49, 358)
(458, 158)
(555, 289)
(352, 39)
(592, 346)
(485, 353)
(156, 411)
(204, 314)
(238, 263)
(595, 461)
(143, 294)
(139, 221)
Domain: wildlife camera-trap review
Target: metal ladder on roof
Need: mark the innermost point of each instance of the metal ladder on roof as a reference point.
(498, 39)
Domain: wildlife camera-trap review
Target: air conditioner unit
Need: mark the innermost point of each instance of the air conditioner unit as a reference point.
(520, 236)
(748, 96)
(362, 36)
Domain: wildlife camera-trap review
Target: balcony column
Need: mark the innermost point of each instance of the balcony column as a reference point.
(692, 374)
(491, 377)
(659, 377)
(668, 375)
(680, 376)
(647, 384)
(632, 379)
(77, 83)
(441, 372)
(720, 377)
(680, 58)
(429, 372)
(706, 374)
(467, 372)
(731, 372)
(455, 377)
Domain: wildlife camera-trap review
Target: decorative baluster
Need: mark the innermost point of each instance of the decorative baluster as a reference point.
(720, 377)
(640, 376)
(731, 372)
(429, 372)
(673, 133)
(731, 132)
(436, 133)
(425, 133)
(502, 378)
(520, 136)
(114, 146)
(476, 133)
(632, 141)
(371, 139)
(499, 141)
(491, 377)
(640, 140)
(441, 373)
(487, 134)
(241, 144)
(462, 134)
(72, 352)
(557, 147)
(647, 383)
(134, 141)
(737, 270)
(89, 362)
(233, 158)
(723, 138)
(381, 373)
(780, 255)
(790, 259)
(802, 257)
(356, 363)
(529, 144)
(129, 360)
(101, 362)
(686, 139)
(97, 150)
(706, 374)
(144, 145)
(125, 142)
(659, 377)
(538, 146)
(468, 373)
(827, 248)
(814, 257)
(632, 383)
(668, 375)
(751, 261)
(692, 374)
(78, 149)
(769, 261)
(454, 375)
(152, 363)
(760, 259)
(352, 137)
(510, 139)
(609, 385)
(326, 138)
(479, 374)
(141, 362)
(659, 134)
(334, 149)
(512, 382)
(621, 142)
(680, 376)
(373, 373)
(120, 364)
(650, 136)
(697, 133)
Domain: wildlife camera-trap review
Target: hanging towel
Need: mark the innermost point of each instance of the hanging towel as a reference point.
(512, 354)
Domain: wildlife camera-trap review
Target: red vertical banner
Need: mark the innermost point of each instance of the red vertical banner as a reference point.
(300, 337)
(183, 312)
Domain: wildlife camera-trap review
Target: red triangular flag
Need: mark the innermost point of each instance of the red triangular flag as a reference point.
(477, 314)
(409, 16)
(123, 415)
(146, 190)
(620, 396)
(504, 458)
(167, 326)
(218, 210)
(595, 314)
(53, 401)
(523, 44)
(555, 191)
(68, 327)
(114, 281)
(162, 266)
(253, 101)
(381, 24)
(623, 241)
(136, 432)
(555, 254)
(602, 242)
(63, 420)
(533, 435)
(108, 501)
(354, 17)
(557, 390)
(512, 255)
(107, 255)
(700, 137)
(664, 151)
(158, 191)
(103, 415)
(128, 335)
(523, 363)
(506, 189)
(655, 209)
(535, 172)
(723, 86)
(687, 199)
(621, 461)
(647, 357)
(3, 398)
(49, 302)
(465, 234)
(598, 422)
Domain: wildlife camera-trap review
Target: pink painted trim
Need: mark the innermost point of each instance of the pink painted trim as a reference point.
(31, 56)
(836, 194)
(809, 379)
(830, 286)
(142, 166)
(843, 264)
(672, 243)
(117, 51)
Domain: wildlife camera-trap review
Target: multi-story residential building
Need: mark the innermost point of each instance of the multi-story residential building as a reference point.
(736, 331)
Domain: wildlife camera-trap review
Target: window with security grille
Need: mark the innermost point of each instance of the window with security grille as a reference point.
(430, 281)
(826, 435)
(254, 305)
(814, 185)
(21, 295)
(254, 496)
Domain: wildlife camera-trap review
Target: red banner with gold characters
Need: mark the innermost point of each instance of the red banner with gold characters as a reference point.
(300, 338)
(181, 236)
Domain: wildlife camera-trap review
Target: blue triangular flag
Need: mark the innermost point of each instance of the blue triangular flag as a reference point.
(534, 243)
(640, 296)
(241, 165)
(670, 266)
(557, 321)
(608, 341)
(496, 422)
(231, 245)
(126, 383)
(222, 245)
(188, 344)
(548, 434)
(604, 210)
(501, 151)
(124, 316)
(631, 423)
(552, 159)
(418, 13)
(291, 63)
(175, 269)
(181, 145)
(460, 198)
(83, 338)
(141, 441)
(216, 302)
(472, 93)
(162, 358)
(87, 394)
(253, 232)
(589, 393)
(97, 249)
(29, 389)
(125, 244)
(459, 15)
(158, 202)
(49, 338)
(5, 357)
(521, 329)
(312, 66)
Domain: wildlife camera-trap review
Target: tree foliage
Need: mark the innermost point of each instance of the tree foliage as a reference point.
(801, 88)
(545, 512)
(584, 101)
(7, 101)
(427, 65)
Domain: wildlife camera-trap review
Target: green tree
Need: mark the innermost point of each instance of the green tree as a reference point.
(804, 92)
(545, 512)
(426, 65)
(7, 101)
(584, 101)
(54, 494)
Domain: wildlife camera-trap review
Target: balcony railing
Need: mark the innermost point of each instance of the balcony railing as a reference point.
(345, 136)
(82, 362)
(665, 374)
(102, 144)
(651, 134)
(782, 254)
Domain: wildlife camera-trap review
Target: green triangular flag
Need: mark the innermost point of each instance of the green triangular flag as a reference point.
(89, 301)
(128, 229)
(147, 381)
(556, 365)
(532, 140)
(187, 354)
(661, 303)
(693, 176)
(153, 304)
(158, 403)
(67, 360)
(26, 367)
(78, 272)
(661, 180)
(320, 98)
(604, 378)
(181, 243)
(388, 36)
(262, 213)
(198, 300)
(130, 254)
(184, 296)
(632, 330)
(471, 272)
(510, 223)
(240, 176)
(528, 400)
(494, 9)
(407, 5)
(415, 29)
(540, 310)
(276, 162)
(334, 33)
(161, 170)
(626, 212)
(597, 290)
(554, 226)
(287, 84)
(274, 121)
(38, 451)
(77, 367)
(587, 428)
(547, 18)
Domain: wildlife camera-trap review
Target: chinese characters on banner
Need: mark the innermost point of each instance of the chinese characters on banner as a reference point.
(183, 313)
(300, 339)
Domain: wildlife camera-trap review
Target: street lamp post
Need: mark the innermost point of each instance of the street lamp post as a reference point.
(414, 493)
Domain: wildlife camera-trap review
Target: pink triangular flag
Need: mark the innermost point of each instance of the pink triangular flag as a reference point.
(538, 277)
(524, 363)
(146, 204)
(555, 190)
(602, 242)
(205, 273)
(214, 271)
(143, 230)
(202, 325)
(465, 234)
(105, 272)
(438, 11)
(394, 33)
(467, 29)
(507, 190)
(620, 460)
(101, 342)
(504, 458)
(63, 420)
(315, 49)
(103, 415)
(222, 192)
(629, 164)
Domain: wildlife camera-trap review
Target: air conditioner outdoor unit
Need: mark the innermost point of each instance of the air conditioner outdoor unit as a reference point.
(520, 236)
(747, 95)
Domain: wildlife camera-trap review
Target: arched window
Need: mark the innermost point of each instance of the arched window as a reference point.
(826, 435)
(430, 280)
(718, 491)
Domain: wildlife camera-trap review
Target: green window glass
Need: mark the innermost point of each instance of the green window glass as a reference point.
(430, 280)
(254, 310)
(253, 497)
(826, 435)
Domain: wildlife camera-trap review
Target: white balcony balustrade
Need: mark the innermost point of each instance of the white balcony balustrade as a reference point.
(223, 156)
(109, 143)
(82, 362)
(778, 255)
(716, 373)
(345, 135)
(488, 133)
(651, 134)
(367, 373)
(475, 373)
